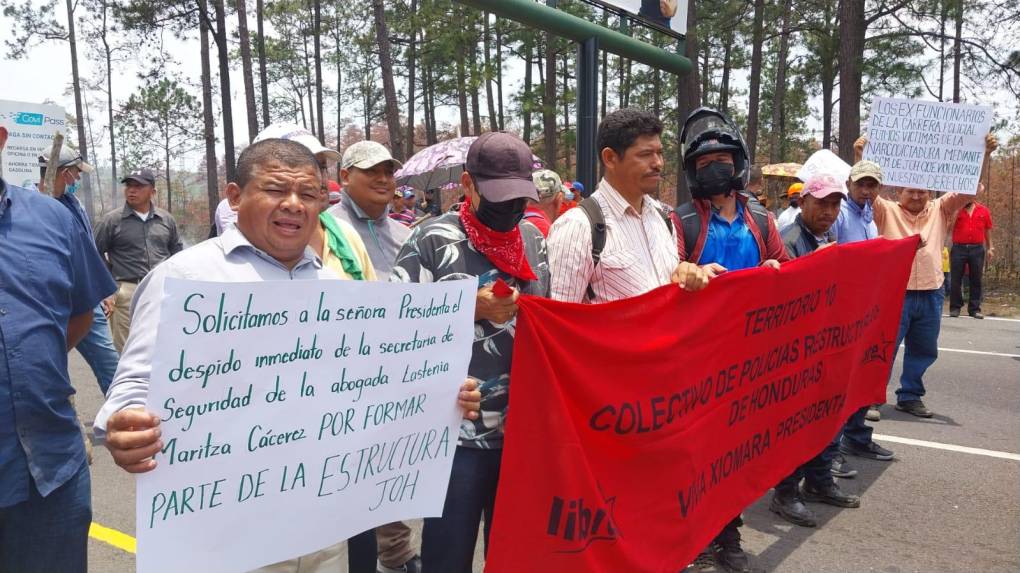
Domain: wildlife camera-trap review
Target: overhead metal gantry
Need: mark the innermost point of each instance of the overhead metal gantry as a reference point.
(591, 38)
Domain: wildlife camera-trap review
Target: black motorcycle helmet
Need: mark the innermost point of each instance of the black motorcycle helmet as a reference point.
(707, 131)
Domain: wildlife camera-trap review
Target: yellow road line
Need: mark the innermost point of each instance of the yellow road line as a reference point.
(118, 539)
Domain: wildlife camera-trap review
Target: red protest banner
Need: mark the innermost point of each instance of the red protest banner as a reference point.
(639, 428)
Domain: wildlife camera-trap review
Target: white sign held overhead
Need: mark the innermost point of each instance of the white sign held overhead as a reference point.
(928, 145)
(296, 414)
(30, 129)
(825, 162)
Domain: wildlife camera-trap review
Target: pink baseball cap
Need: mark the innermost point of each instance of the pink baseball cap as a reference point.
(822, 185)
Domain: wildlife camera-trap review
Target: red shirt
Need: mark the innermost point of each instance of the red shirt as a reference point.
(536, 217)
(970, 228)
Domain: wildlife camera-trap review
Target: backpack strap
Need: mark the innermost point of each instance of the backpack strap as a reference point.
(690, 222)
(664, 212)
(761, 218)
(593, 211)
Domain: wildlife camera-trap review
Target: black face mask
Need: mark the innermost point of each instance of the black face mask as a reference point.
(502, 216)
(716, 178)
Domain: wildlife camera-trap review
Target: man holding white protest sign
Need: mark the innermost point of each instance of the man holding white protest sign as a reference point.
(928, 145)
(916, 213)
(277, 197)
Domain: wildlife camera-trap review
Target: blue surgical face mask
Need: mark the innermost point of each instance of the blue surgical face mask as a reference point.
(71, 188)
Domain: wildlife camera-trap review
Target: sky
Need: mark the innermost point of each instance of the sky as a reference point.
(45, 74)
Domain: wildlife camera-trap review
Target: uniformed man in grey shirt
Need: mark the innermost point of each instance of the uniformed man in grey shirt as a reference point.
(133, 240)
(366, 174)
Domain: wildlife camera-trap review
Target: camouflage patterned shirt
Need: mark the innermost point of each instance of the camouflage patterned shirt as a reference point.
(438, 250)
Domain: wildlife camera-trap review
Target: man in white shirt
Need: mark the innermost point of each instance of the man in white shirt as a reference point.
(278, 199)
(789, 215)
(640, 243)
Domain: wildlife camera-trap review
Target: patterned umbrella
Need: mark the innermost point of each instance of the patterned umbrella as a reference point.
(438, 165)
(781, 170)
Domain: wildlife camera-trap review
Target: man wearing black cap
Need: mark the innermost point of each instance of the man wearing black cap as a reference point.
(485, 240)
(134, 240)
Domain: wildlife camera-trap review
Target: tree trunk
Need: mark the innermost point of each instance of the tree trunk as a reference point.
(499, 74)
(382, 37)
(223, 52)
(828, 72)
(851, 55)
(246, 69)
(309, 85)
(490, 101)
(109, 105)
(687, 94)
(431, 131)
(724, 84)
(828, 80)
(657, 93)
(339, 90)
(778, 127)
(528, 81)
(757, 40)
(706, 73)
(462, 100)
(316, 32)
(412, 78)
(263, 74)
(475, 81)
(92, 144)
(549, 102)
(79, 116)
(208, 122)
(943, 16)
(957, 53)
(169, 187)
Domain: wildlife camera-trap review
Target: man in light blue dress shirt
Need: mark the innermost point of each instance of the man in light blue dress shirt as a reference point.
(856, 223)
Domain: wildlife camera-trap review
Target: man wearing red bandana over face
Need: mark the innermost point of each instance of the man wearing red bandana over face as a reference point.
(486, 240)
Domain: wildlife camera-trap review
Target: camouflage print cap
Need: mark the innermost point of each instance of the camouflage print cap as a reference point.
(547, 182)
(366, 155)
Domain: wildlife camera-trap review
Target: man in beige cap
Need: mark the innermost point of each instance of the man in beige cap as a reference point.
(543, 212)
(366, 175)
(856, 222)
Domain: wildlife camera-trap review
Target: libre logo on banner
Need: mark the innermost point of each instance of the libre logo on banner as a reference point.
(578, 523)
(641, 427)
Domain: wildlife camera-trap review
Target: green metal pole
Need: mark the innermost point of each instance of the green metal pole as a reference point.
(566, 25)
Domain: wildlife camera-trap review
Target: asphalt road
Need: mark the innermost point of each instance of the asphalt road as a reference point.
(930, 509)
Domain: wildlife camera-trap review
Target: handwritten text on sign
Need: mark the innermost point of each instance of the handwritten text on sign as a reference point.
(928, 145)
(296, 414)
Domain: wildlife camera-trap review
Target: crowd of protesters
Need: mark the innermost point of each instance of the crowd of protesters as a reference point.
(61, 279)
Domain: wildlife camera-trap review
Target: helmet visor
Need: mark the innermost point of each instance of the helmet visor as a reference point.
(709, 132)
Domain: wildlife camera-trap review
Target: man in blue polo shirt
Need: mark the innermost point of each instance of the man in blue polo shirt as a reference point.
(722, 230)
(50, 280)
(97, 347)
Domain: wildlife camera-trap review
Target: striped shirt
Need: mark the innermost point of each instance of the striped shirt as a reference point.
(640, 252)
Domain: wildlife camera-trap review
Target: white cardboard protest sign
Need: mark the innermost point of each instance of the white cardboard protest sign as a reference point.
(827, 162)
(928, 145)
(296, 414)
(30, 129)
